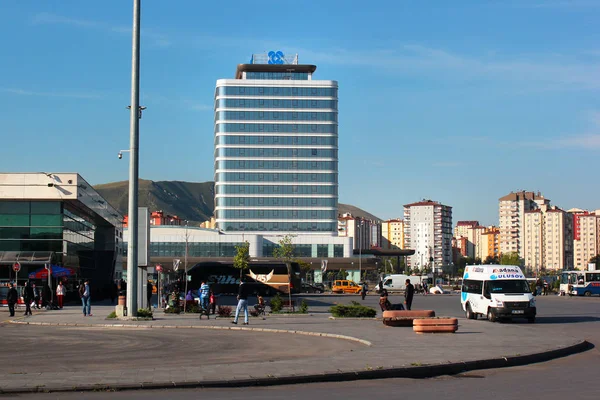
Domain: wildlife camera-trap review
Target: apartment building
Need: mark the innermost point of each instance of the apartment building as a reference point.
(585, 236)
(428, 230)
(462, 226)
(512, 209)
(366, 233)
(392, 233)
(490, 243)
(548, 239)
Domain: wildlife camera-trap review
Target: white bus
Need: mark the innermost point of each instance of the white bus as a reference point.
(580, 283)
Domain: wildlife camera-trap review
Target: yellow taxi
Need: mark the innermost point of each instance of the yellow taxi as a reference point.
(345, 286)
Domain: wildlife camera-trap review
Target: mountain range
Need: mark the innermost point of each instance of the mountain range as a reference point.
(192, 201)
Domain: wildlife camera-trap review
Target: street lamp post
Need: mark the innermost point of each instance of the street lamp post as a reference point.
(185, 266)
(360, 251)
(132, 246)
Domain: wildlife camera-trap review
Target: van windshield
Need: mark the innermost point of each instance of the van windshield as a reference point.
(508, 286)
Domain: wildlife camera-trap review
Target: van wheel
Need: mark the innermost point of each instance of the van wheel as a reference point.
(490, 315)
(469, 314)
(531, 320)
(587, 293)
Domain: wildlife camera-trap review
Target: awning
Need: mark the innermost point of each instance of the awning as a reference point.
(57, 272)
(26, 257)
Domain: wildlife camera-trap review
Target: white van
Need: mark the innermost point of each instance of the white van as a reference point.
(496, 291)
(397, 282)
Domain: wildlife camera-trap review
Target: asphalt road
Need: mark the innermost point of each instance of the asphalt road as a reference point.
(570, 377)
(45, 348)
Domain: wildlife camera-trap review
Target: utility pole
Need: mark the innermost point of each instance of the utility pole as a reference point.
(134, 139)
(360, 251)
(185, 257)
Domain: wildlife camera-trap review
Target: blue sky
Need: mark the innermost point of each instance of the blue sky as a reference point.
(459, 101)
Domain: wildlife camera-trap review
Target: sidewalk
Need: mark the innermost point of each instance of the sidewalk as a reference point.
(361, 349)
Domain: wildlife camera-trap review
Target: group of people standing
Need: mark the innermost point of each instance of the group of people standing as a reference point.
(33, 297)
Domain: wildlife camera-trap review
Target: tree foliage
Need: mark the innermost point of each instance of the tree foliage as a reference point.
(511, 258)
(491, 260)
(596, 259)
(285, 251)
(242, 257)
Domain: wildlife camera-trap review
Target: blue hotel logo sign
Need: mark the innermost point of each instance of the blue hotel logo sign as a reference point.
(276, 57)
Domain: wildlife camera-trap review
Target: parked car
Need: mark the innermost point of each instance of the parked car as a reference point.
(345, 286)
(307, 288)
(321, 286)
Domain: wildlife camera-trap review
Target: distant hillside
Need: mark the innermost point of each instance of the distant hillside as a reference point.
(356, 212)
(188, 200)
(191, 201)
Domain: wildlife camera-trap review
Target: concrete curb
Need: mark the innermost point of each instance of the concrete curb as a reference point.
(213, 327)
(420, 372)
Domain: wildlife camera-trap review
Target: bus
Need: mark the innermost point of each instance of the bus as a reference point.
(580, 283)
(266, 277)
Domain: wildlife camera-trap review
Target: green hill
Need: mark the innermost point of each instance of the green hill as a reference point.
(191, 201)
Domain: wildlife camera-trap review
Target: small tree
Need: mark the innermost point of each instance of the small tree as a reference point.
(285, 252)
(242, 257)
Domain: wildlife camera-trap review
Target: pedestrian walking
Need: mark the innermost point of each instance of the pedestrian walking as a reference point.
(242, 298)
(213, 302)
(36, 296)
(425, 288)
(149, 290)
(204, 294)
(28, 296)
(60, 294)
(408, 294)
(85, 294)
(11, 298)
(46, 296)
(363, 290)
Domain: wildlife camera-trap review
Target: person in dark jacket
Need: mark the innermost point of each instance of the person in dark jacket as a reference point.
(11, 298)
(408, 294)
(28, 297)
(242, 298)
(149, 289)
(36, 296)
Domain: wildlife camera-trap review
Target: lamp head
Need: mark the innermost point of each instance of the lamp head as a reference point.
(120, 155)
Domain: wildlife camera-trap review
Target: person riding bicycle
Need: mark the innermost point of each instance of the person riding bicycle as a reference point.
(260, 305)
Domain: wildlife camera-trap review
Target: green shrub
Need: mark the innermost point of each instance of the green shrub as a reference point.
(353, 310)
(144, 313)
(172, 310)
(276, 303)
(192, 307)
(112, 315)
(224, 311)
(303, 307)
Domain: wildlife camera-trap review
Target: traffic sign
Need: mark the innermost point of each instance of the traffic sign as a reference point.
(158, 267)
(17, 266)
(176, 263)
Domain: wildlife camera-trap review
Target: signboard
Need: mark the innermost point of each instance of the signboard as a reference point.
(176, 263)
(323, 266)
(17, 267)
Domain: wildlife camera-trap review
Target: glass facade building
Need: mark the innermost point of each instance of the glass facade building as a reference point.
(276, 150)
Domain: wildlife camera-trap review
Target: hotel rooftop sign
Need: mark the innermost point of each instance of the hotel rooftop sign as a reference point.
(274, 57)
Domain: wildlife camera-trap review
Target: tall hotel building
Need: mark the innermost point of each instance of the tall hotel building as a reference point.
(276, 149)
